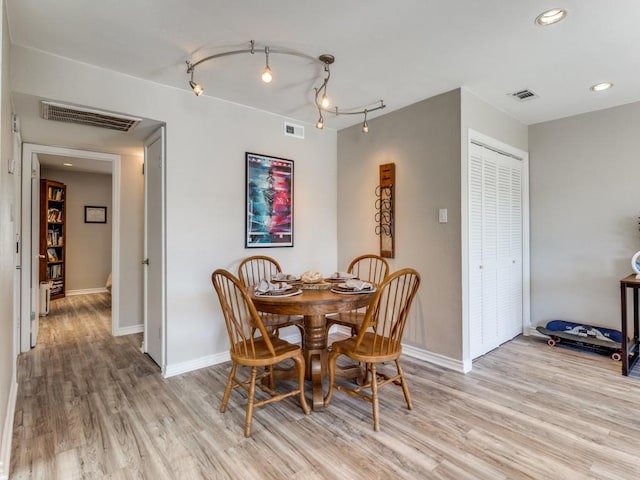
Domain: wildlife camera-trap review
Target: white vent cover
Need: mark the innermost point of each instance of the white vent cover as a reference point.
(524, 95)
(292, 130)
(85, 116)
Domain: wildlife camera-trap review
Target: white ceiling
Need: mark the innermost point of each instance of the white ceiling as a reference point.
(401, 51)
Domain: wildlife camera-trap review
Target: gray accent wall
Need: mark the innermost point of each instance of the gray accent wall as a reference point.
(88, 245)
(428, 143)
(423, 140)
(585, 204)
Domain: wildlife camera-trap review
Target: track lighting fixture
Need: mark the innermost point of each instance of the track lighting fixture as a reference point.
(196, 87)
(266, 75)
(322, 101)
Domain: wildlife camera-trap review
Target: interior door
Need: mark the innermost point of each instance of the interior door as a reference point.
(154, 261)
(35, 248)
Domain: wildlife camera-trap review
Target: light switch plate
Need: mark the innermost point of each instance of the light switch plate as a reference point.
(442, 215)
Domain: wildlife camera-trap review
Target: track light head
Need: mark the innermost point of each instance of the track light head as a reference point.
(320, 123)
(196, 87)
(365, 125)
(266, 75)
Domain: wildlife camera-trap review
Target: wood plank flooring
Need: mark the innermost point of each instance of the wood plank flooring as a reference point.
(92, 406)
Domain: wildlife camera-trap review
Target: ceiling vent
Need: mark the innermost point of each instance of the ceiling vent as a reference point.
(85, 116)
(524, 95)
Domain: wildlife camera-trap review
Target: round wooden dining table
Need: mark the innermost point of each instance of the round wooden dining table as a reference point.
(313, 305)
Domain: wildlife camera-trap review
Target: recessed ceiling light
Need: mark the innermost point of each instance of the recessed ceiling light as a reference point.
(68, 164)
(551, 16)
(598, 87)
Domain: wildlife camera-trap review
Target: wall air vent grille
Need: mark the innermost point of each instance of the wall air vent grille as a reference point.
(85, 116)
(524, 95)
(293, 130)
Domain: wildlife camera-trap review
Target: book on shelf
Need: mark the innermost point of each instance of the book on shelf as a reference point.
(52, 255)
(56, 194)
(54, 215)
(54, 271)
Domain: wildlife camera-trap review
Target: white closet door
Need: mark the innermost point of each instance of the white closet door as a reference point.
(475, 249)
(495, 249)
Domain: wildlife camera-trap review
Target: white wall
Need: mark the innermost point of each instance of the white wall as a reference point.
(484, 118)
(481, 117)
(585, 204)
(88, 245)
(131, 240)
(206, 142)
(7, 259)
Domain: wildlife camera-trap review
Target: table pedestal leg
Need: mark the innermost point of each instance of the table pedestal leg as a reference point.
(314, 349)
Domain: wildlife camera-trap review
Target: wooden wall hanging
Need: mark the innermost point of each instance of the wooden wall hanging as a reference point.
(385, 209)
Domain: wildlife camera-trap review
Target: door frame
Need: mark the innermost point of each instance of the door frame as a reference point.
(159, 134)
(28, 250)
(474, 136)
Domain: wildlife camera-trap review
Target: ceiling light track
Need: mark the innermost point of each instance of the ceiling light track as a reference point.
(322, 101)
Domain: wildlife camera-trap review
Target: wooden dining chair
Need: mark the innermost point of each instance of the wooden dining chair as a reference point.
(248, 350)
(369, 268)
(387, 315)
(258, 267)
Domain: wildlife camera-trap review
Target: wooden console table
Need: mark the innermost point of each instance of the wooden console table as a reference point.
(630, 350)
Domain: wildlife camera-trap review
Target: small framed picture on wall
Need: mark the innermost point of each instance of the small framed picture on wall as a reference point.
(94, 214)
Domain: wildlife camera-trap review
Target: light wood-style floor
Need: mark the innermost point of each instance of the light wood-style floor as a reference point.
(92, 406)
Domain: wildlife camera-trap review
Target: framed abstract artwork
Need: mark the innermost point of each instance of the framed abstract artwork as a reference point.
(268, 201)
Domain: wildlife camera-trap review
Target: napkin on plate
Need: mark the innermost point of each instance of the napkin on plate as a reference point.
(282, 277)
(342, 275)
(264, 286)
(357, 285)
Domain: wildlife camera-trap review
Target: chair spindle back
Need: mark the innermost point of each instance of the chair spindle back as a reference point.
(253, 269)
(240, 315)
(369, 268)
(388, 312)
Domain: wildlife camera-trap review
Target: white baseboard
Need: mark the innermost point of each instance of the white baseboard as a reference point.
(294, 337)
(437, 359)
(130, 330)
(7, 432)
(86, 291)
(421, 354)
(198, 363)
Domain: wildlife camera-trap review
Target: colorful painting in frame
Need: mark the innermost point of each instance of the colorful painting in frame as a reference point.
(269, 201)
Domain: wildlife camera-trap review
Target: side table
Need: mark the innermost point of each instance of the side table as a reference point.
(630, 350)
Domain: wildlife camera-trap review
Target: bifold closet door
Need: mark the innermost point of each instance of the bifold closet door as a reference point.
(495, 248)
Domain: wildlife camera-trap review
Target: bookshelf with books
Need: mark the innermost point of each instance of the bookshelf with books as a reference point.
(52, 235)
